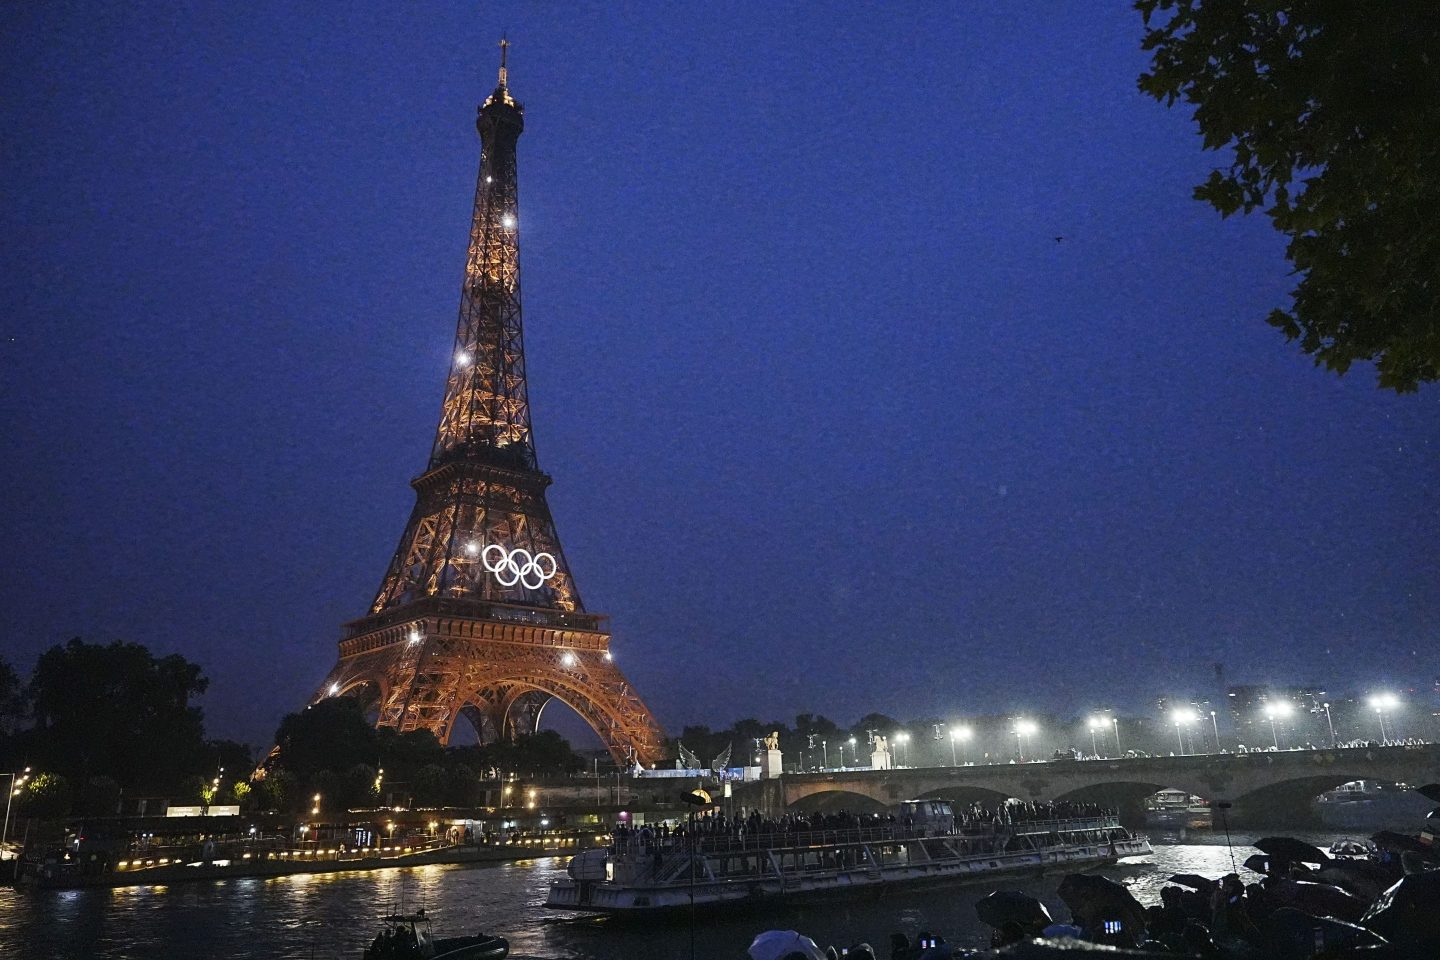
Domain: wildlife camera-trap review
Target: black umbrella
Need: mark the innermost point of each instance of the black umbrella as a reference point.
(1011, 906)
(1320, 899)
(1294, 933)
(1291, 850)
(1408, 914)
(1401, 843)
(1258, 862)
(1098, 901)
(1193, 880)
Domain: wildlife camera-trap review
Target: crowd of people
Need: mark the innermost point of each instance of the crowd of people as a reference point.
(716, 829)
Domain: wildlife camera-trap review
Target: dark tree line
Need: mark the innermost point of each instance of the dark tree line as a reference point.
(96, 723)
(331, 749)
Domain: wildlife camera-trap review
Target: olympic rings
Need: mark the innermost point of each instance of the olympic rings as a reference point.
(518, 566)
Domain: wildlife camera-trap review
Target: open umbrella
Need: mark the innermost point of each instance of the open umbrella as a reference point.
(1319, 899)
(1294, 933)
(1193, 881)
(1258, 862)
(775, 944)
(1408, 916)
(1291, 850)
(1097, 902)
(1011, 906)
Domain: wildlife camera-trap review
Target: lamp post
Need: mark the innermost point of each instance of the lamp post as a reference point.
(901, 739)
(824, 754)
(1023, 729)
(1181, 717)
(1280, 708)
(1382, 702)
(1331, 724)
(17, 780)
(960, 734)
(1215, 727)
(1095, 723)
(854, 752)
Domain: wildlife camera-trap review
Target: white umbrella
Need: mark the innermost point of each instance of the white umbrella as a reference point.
(775, 944)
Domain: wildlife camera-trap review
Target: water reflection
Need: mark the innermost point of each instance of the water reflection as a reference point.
(333, 915)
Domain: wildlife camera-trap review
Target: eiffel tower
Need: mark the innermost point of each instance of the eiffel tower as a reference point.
(478, 615)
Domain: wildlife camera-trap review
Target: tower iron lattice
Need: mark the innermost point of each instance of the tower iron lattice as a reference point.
(478, 615)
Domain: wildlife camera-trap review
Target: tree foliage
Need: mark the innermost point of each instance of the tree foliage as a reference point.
(1331, 111)
(116, 711)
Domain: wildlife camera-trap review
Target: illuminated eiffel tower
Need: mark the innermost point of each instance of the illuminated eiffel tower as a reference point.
(478, 615)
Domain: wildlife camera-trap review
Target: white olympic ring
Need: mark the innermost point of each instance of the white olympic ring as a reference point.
(518, 566)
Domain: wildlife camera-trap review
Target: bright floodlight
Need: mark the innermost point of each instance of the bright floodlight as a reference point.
(1280, 708)
(1182, 716)
(1025, 727)
(902, 737)
(472, 548)
(334, 689)
(568, 660)
(1095, 723)
(609, 655)
(508, 222)
(1384, 701)
(960, 733)
(462, 358)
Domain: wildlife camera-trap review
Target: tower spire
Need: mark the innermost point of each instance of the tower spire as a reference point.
(504, 73)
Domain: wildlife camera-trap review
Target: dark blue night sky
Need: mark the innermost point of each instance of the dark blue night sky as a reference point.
(835, 423)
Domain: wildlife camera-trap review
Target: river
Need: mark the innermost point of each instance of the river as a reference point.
(332, 916)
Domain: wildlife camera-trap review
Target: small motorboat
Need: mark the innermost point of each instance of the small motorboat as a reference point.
(1349, 848)
(408, 937)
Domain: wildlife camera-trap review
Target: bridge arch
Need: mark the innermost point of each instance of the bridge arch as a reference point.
(833, 801)
(962, 795)
(508, 705)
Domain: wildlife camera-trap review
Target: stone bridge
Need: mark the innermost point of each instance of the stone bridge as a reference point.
(1263, 788)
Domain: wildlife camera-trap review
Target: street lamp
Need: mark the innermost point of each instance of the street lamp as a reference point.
(1215, 726)
(1181, 717)
(1331, 724)
(1095, 723)
(315, 810)
(1382, 702)
(854, 751)
(1280, 708)
(957, 734)
(824, 754)
(1023, 729)
(901, 739)
(17, 781)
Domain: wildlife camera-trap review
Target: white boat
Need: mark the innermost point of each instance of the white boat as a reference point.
(671, 874)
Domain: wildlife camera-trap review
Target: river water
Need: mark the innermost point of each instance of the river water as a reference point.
(325, 916)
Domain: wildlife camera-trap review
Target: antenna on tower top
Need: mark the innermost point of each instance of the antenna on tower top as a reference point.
(504, 51)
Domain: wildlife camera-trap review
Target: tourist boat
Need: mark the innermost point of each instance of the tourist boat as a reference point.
(661, 875)
(408, 937)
